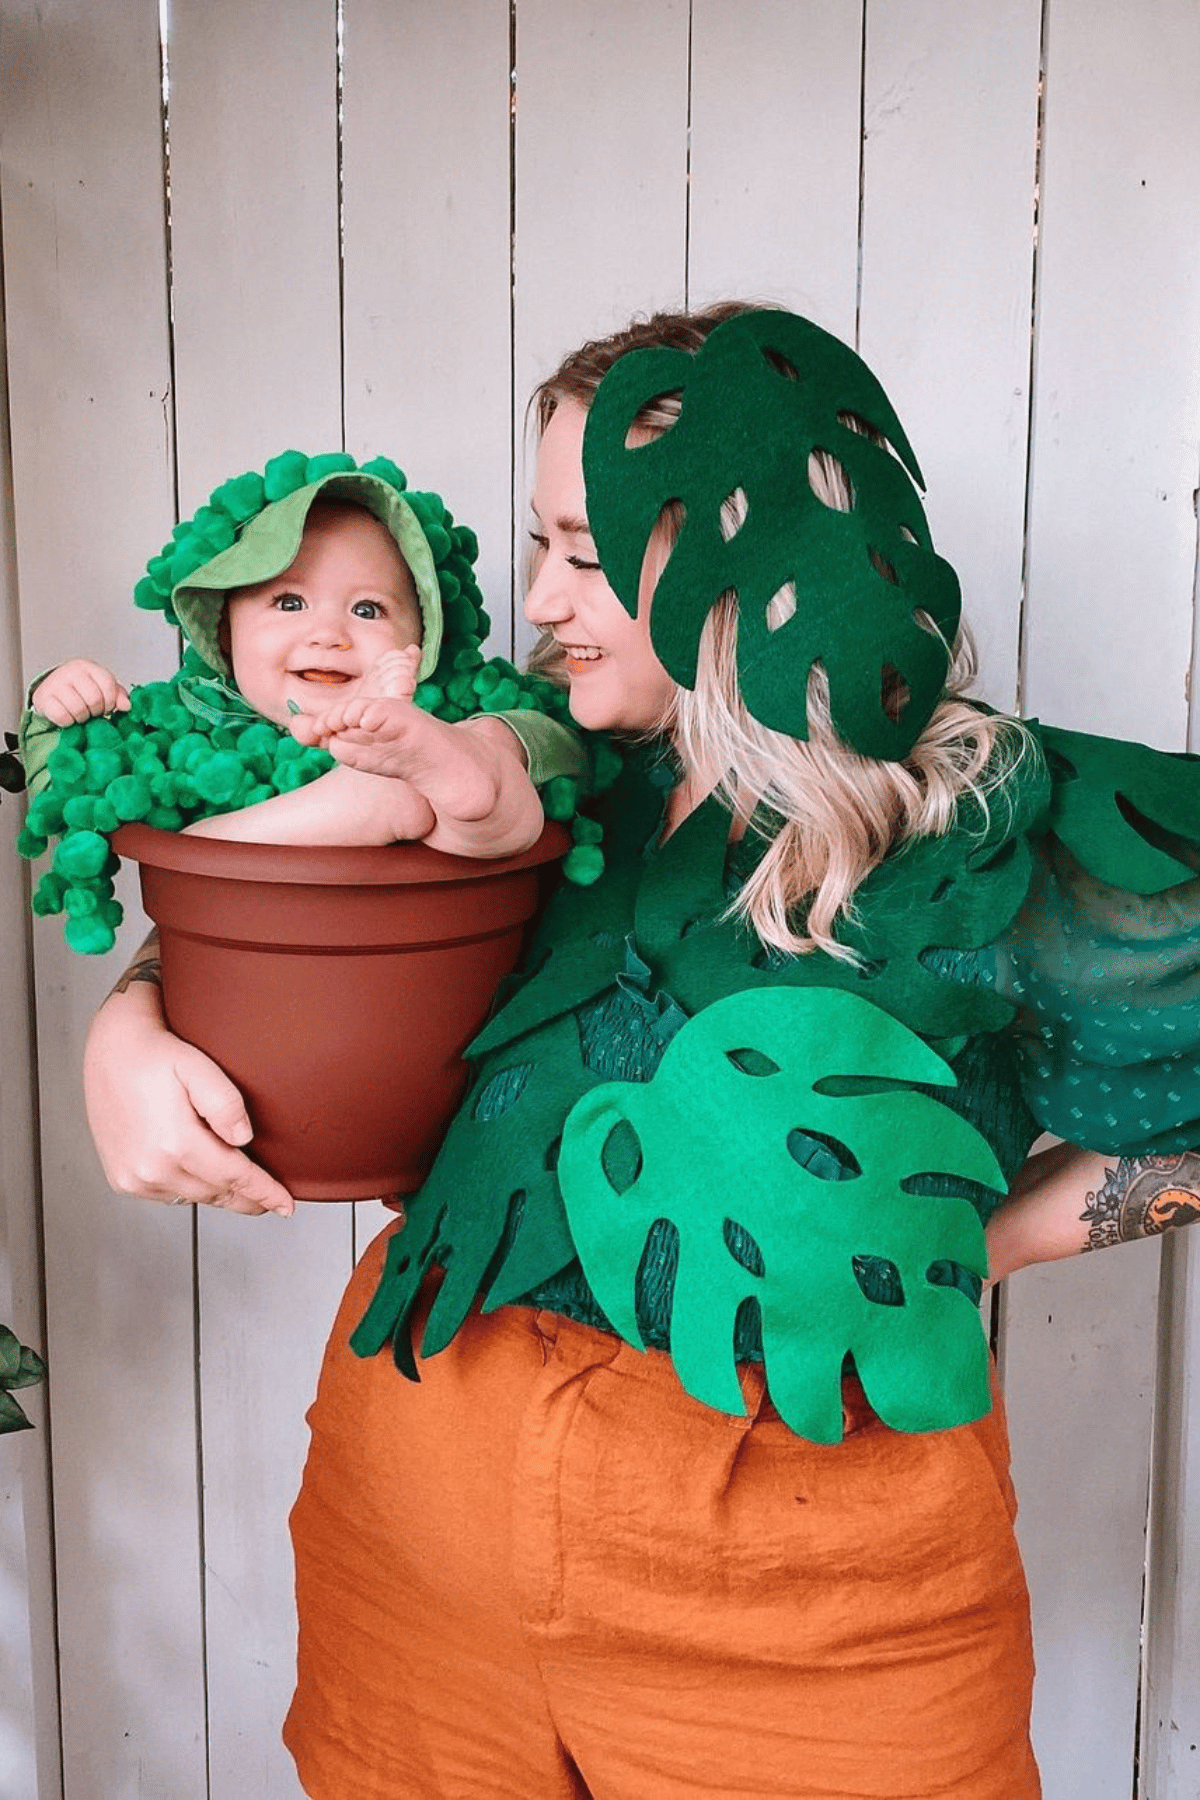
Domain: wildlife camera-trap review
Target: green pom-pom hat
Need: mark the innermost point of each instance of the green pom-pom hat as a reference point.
(191, 747)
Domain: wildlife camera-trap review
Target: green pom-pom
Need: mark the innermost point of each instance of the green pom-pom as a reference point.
(486, 679)
(388, 471)
(46, 814)
(429, 696)
(129, 796)
(560, 797)
(264, 791)
(80, 902)
(102, 734)
(148, 594)
(461, 691)
(219, 779)
(80, 812)
(103, 766)
(284, 474)
(81, 854)
(241, 497)
(586, 831)
(91, 937)
(215, 530)
(333, 462)
(30, 844)
(48, 895)
(584, 864)
(165, 818)
(186, 751)
(502, 699)
(67, 768)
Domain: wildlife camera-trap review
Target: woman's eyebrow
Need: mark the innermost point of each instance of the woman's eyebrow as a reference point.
(574, 527)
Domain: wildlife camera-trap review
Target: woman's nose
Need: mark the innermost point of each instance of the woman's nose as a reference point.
(546, 599)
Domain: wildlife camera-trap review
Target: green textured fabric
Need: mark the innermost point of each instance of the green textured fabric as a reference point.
(748, 1077)
(764, 391)
(553, 752)
(270, 542)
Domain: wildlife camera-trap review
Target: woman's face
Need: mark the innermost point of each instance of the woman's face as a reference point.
(616, 678)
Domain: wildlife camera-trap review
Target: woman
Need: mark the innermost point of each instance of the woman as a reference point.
(756, 1539)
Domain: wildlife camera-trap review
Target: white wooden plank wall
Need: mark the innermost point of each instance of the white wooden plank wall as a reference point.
(385, 223)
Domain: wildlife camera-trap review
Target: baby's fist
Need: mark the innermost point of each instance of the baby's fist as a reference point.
(76, 691)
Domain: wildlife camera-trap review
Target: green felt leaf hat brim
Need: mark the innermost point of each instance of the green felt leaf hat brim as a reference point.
(858, 588)
(270, 542)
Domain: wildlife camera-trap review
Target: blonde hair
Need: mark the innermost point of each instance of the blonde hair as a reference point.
(841, 813)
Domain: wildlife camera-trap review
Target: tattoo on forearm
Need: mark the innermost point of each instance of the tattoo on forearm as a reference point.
(1142, 1197)
(146, 966)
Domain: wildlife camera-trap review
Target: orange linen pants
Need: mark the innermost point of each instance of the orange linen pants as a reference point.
(546, 1573)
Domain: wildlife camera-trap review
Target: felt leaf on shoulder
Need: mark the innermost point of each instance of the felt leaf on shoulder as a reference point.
(765, 395)
(1130, 815)
(790, 1118)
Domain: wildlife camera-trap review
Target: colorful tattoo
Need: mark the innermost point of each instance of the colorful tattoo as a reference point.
(146, 966)
(1142, 1197)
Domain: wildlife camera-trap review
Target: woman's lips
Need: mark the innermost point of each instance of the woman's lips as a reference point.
(579, 665)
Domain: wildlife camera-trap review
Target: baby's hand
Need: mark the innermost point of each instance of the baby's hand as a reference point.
(393, 677)
(76, 691)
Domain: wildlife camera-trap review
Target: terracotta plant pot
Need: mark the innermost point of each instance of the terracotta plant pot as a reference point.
(337, 988)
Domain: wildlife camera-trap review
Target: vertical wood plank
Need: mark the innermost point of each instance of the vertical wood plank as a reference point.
(255, 243)
(775, 156)
(1111, 556)
(947, 277)
(87, 317)
(601, 166)
(30, 1758)
(1171, 1714)
(1112, 522)
(426, 182)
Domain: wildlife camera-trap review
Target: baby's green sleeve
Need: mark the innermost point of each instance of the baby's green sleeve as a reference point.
(551, 749)
(37, 739)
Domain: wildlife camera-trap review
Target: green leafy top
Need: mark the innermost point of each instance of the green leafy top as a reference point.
(764, 392)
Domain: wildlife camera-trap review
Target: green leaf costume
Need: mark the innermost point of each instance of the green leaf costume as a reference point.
(764, 392)
(923, 1362)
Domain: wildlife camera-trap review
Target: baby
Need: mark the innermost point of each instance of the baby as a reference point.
(330, 643)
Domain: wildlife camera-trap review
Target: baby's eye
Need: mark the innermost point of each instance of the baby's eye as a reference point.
(367, 609)
(289, 602)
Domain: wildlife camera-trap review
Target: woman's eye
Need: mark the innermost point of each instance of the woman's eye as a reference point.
(539, 540)
(582, 562)
(367, 609)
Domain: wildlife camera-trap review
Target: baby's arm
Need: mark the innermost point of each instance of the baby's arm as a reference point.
(472, 775)
(76, 691)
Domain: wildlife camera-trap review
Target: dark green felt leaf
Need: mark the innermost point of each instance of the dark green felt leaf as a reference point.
(764, 391)
(11, 1416)
(714, 1148)
(490, 1212)
(1109, 795)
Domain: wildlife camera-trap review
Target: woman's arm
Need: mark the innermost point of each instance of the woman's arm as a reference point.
(1065, 1201)
(166, 1121)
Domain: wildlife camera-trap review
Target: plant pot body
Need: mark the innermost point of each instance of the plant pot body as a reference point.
(337, 988)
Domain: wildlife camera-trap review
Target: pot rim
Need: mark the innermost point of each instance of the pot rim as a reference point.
(325, 865)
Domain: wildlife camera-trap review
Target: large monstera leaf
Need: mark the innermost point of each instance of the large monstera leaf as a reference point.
(765, 391)
(755, 1100)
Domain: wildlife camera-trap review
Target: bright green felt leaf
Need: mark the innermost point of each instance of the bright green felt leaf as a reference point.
(1108, 799)
(764, 391)
(712, 1138)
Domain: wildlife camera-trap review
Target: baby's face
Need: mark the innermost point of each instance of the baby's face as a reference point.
(311, 634)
